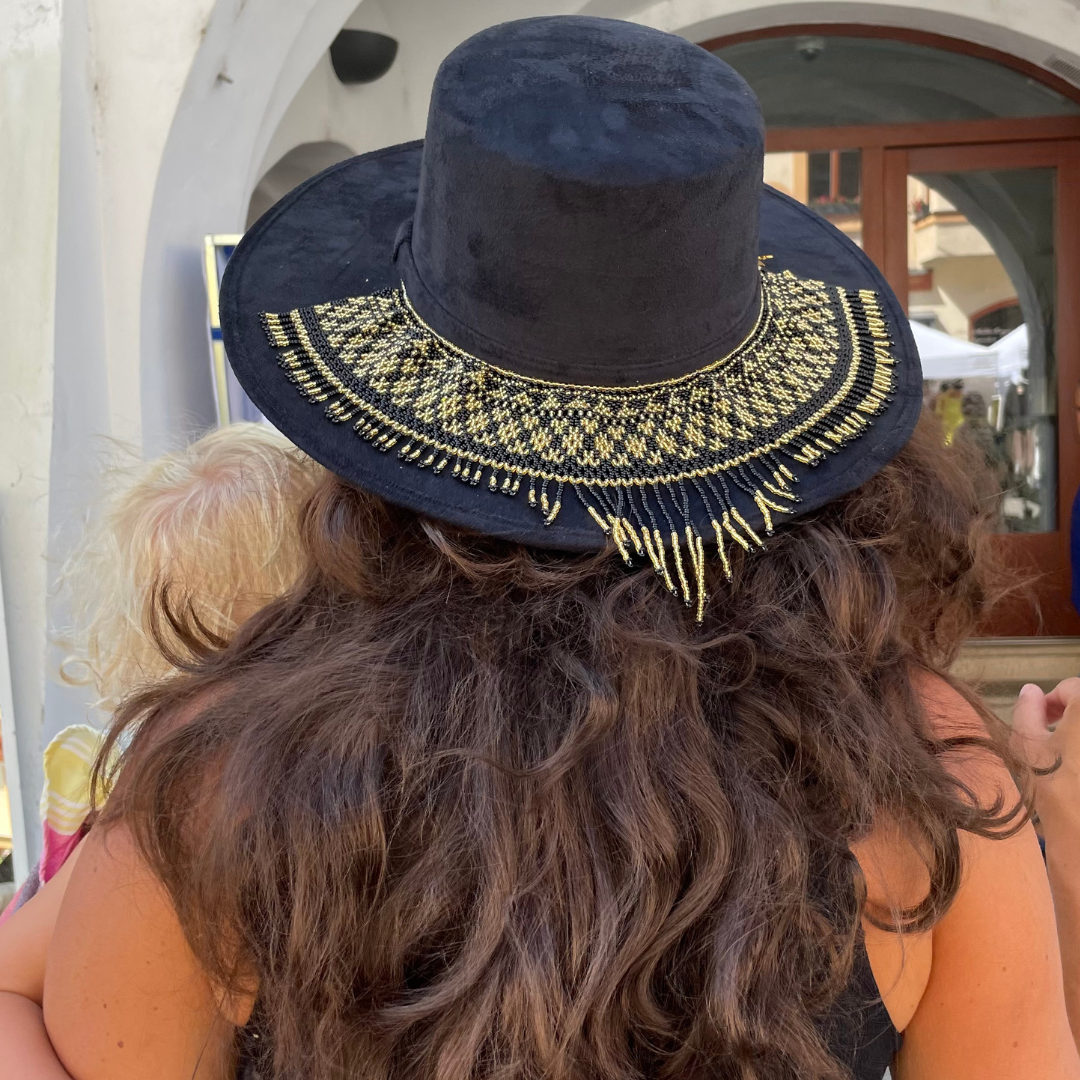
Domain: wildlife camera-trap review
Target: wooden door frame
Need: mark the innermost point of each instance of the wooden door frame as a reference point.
(1034, 551)
(925, 133)
(884, 177)
(887, 154)
(888, 157)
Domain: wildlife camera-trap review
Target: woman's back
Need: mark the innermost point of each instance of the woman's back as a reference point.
(521, 815)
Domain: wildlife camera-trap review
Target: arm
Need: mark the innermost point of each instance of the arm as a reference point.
(1057, 801)
(28, 1054)
(994, 1006)
(124, 997)
(24, 943)
(1063, 867)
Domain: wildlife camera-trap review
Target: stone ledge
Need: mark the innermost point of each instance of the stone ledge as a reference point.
(1024, 659)
(1000, 666)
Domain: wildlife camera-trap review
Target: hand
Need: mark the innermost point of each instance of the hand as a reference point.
(1047, 727)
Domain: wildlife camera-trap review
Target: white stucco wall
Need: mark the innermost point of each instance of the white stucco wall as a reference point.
(172, 110)
(362, 117)
(29, 170)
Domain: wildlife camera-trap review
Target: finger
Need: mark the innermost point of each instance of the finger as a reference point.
(1064, 695)
(1029, 717)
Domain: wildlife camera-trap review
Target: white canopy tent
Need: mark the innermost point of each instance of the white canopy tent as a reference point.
(1012, 354)
(946, 357)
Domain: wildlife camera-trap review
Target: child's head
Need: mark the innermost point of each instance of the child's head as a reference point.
(215, 523)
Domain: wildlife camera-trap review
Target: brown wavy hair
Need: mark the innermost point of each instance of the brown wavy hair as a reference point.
(465, 810)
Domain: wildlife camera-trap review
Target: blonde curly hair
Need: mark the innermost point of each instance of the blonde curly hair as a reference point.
(215, 523)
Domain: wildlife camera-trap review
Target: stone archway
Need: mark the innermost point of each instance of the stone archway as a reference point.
(253, 58)
(1006, 25)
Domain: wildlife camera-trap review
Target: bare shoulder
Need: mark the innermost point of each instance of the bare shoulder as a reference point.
(25, 935)
(894, 871)
(948, 713)
(124, 996)
(993, 1006)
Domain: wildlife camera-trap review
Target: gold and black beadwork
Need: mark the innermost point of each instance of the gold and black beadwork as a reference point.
(808, 379)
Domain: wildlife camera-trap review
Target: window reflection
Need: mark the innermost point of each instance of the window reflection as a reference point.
(981, 301)
(829, 182)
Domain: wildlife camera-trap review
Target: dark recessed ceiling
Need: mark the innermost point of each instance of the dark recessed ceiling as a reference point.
(362, 56)
(831, 80)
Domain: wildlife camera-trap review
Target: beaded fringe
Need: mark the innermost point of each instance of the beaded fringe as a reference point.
(647, 519)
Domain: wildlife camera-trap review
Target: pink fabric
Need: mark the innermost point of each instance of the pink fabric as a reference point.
(65, 805)
(55, 851)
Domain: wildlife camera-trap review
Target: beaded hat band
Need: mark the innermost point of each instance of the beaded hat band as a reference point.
(816, 368)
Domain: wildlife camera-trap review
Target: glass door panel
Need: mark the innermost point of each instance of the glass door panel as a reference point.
(828, 181)
(981, 298)
(980, 239)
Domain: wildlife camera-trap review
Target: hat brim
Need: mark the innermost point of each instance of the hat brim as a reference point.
(333, 238)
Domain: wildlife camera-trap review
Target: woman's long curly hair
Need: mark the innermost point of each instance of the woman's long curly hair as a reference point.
(465, 810)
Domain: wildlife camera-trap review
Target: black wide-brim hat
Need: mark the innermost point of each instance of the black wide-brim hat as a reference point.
(575, 312)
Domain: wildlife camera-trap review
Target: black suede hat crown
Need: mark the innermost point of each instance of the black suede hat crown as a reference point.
(575, 311)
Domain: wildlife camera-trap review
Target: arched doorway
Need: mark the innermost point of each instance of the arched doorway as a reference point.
(300, 163)
(289, 171)
(957, 169)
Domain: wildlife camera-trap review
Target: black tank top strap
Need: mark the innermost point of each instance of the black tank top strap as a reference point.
(253, 1050)
(858, 1029)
